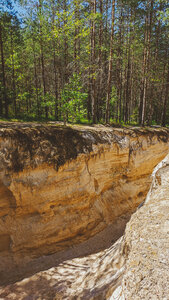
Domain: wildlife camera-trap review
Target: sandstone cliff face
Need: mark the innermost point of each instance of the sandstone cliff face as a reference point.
(135, 267)
(60, 186)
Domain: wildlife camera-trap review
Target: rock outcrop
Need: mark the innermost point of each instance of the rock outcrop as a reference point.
(61, 186)
(135, 267)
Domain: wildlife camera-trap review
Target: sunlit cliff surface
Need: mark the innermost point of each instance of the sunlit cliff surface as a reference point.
(61, 186)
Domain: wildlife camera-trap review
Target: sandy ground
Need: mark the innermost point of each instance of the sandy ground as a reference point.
(99, 242)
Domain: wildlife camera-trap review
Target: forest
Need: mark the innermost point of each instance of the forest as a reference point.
(104, 61)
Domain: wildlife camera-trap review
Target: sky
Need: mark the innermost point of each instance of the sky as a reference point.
(16, 8)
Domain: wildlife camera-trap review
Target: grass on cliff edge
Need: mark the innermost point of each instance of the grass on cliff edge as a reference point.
(84, 122)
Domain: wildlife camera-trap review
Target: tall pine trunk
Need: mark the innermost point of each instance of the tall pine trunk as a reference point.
(65, 47)
(110, 65)
(36, 81)
(146, 58)
(13, 74)
(93, 62)
(3, 78)
(54, 61)
(42, 59)
(165, 99)
(100, 75)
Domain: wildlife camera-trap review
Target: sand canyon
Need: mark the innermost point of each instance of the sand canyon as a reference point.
(61, 188)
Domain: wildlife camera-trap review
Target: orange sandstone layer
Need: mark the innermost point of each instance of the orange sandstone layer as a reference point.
(60, 186)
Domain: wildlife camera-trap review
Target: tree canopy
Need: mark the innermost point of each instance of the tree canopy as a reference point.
(79, 61)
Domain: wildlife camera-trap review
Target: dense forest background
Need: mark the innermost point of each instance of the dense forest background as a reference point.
(79, 61)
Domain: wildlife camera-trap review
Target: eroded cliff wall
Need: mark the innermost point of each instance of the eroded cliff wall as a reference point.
(60, 186)
(135, 267)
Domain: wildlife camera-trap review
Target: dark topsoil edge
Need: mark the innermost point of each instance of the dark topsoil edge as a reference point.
(32, 144)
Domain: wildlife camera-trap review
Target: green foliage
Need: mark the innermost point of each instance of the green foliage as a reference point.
(57, 59)
(73, 100)
(47, 100)
(113, 101)
(134, 116)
